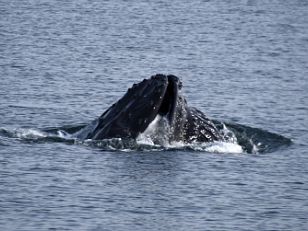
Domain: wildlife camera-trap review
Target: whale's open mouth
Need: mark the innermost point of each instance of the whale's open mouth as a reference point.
(168, 104)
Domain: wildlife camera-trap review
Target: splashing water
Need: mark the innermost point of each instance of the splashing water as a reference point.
(237, 139)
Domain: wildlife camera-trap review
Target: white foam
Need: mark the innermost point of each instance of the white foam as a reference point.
(224, 147)
(215, 147)
(29, 133)
(63, 134)
(255, 147)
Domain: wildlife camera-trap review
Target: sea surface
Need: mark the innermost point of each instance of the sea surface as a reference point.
(244, 63)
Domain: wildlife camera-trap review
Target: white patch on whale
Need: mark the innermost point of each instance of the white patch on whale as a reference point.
(156, 133)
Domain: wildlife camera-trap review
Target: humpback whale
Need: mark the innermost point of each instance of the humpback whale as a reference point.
(155, 99)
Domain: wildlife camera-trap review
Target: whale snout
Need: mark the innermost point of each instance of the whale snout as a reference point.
(167, 106)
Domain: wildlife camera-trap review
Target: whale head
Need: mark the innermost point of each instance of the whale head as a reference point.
(132, 114)
(157, 103)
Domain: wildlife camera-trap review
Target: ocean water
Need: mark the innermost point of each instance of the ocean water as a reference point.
(243, 63)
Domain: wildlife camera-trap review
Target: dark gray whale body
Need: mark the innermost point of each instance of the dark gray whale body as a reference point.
(158, 96)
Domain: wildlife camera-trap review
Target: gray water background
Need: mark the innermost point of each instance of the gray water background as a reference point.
(65, 62)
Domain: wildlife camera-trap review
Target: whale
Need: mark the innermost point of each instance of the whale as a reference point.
(157, 100)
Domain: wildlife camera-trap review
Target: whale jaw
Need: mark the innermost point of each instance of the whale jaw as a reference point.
(132, 114)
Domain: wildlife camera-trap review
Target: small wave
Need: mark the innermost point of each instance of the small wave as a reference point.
(254, 140)
(30, 133)
(35, 135)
